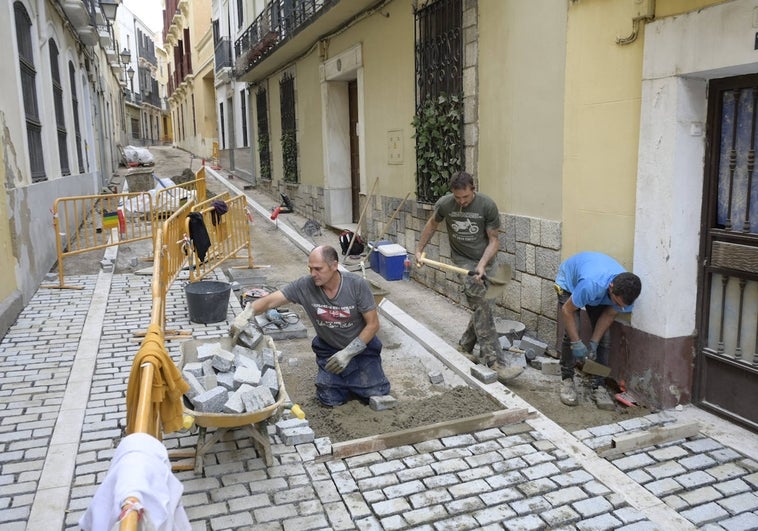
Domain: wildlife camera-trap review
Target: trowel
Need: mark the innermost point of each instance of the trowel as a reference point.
(495, 284)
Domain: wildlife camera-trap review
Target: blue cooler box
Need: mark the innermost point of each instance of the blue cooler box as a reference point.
(373, 259)
(391, 261)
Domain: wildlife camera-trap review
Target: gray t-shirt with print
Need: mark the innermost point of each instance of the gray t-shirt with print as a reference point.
(467, 227)
(339, 320)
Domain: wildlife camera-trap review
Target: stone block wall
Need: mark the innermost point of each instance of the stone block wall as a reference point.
(530, 245)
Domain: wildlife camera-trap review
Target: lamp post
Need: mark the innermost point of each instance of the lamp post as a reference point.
(130, 71)
(125, 56)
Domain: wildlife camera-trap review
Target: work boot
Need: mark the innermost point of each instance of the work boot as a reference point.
(603, 399)
(568, 392)
(506, 373)
(467, 354)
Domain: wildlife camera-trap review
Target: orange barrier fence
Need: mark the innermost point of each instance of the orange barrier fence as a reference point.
(229, 233)
(168, 200)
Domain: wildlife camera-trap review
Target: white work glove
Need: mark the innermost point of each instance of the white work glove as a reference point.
(340, 359)
(240, 322)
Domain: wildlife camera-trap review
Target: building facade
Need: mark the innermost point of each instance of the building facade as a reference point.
(621, 127)
(61, 117)
(188, 41)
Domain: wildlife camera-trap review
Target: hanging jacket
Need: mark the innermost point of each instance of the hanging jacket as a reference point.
(199, 235)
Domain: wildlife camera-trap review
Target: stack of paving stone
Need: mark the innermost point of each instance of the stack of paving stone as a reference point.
(235, 382)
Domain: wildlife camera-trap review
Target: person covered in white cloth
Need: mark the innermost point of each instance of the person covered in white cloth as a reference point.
(343, 312)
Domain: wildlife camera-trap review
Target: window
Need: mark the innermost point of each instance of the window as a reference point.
(289, 127)
(60, 118)
(75, 109)
(264, 142)
(243, 107)
(194, 122)
(222, 127)
(240, 13)
(135, 127)
(29, 92)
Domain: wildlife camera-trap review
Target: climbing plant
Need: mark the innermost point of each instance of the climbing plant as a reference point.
(438, 125)
(265, 155)
(289, 155)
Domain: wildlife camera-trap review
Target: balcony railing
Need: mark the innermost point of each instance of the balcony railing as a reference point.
(223, 54)
(280, 21)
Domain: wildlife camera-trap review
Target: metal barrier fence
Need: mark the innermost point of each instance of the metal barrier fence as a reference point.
(88, 223)
(229, 233)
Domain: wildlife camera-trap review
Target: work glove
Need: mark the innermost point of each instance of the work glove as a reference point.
(340, 359)
(579, 350)
(593, 350)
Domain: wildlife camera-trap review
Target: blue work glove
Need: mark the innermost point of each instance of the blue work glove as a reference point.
(593, 350)
(579, 350)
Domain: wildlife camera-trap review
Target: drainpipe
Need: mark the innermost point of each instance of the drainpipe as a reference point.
(636, 24)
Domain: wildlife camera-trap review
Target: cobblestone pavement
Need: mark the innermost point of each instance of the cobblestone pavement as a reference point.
(64, 367)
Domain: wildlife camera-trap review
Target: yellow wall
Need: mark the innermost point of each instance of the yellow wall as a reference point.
(521, 71)
(603, 87)
(603, 96)
(308, 113)
(8, 281)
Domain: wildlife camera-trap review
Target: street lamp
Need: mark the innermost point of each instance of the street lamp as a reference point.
(125, 55)
(130, 71)
(109, 8)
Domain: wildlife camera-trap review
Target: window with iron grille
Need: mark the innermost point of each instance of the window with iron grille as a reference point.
(75, 109)
(289, 127)
(264, 141)
(135, 127)
(29, 91)
(243, 108)
(60, 117)
(438, 121)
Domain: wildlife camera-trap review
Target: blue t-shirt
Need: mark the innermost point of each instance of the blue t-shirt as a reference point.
(587, 276)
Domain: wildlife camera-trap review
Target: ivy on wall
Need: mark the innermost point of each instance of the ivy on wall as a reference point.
(439, 145)
(289, 155)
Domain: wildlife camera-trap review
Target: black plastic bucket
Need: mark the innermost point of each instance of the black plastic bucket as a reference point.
(207, 301)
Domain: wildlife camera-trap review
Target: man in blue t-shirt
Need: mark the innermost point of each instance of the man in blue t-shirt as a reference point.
(342, 309)
(600, 285)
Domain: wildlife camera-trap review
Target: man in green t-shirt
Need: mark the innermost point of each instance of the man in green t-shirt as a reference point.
(472, 220)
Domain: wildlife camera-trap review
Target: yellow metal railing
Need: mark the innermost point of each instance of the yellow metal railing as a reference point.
(90, 222)
(228, 233)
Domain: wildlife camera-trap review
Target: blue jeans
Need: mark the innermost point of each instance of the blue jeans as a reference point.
(568, 362)
(363, 376)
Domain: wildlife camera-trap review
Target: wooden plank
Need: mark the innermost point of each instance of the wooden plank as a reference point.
(431, 431)
(644, 439)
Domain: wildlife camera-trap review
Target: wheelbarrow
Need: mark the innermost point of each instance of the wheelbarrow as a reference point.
(255, 422)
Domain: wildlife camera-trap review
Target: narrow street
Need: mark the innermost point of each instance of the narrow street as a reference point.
(76, 346)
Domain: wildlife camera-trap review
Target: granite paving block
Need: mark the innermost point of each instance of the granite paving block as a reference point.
(382, 403)
(211, 401)
(483, 374)
(270, 380)
(222, 360)
(247, 375)
(206, 351)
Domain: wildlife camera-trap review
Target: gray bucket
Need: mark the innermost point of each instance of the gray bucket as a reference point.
(207, 301)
